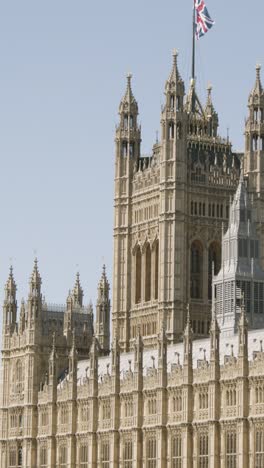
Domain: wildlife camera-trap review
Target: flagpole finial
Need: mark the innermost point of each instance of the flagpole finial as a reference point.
(258, 68)
(175, 53)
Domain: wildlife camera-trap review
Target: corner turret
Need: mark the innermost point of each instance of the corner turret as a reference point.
(102, 327)
(10, 305)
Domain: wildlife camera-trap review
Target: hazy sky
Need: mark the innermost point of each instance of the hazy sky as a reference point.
(62, 74)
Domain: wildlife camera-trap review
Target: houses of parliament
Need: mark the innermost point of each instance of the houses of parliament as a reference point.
(181, 383)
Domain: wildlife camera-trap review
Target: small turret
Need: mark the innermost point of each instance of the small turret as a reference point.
(10, 305)
(34, 297)
(77, 293)
(254, 137)
(102, 328)
(174, 88)
(128, 132)
(211, 115)
(74, 301)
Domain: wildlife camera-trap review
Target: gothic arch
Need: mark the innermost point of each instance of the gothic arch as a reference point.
(148, 275)
(155, 248)
(196, 270)
(138, 272)
(214, 257)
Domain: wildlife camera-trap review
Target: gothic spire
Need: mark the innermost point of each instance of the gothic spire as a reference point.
(10, 304)
(128, 102)
(257, 91)
(102, 326)
(35, 280)
(77, 293)
(174, 76)
(10, 288)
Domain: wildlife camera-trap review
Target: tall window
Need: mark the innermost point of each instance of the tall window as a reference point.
(148, 274)
(231, 397)
(106, 409)
(12, 457)
(63, 456)
(43, 457)
(176, 445)
(18, 377)
(259, 448)
(138, 275)
(196, 270)
(84, 456)
(231, 450)
(128, 454)
(203, 451)
(151, 453)
(156, 293)
(105, 455)
(214, 257)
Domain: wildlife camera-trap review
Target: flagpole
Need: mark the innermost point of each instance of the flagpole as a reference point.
(193, 42)
(193, 57)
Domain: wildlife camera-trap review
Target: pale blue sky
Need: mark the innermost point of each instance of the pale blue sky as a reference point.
(62, 74)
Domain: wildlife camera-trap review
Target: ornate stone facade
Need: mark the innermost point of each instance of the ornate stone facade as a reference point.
(183, 386)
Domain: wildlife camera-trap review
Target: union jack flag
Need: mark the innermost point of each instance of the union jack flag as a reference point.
(203, 20)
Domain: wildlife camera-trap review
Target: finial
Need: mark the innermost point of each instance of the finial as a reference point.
(258, 68)
(261, 347)
(175, 54)
(153, 361)
(129, 77)
(204, 351)
(209, 89)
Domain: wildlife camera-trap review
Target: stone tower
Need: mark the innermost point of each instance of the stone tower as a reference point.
(128, 139)
(169, 208)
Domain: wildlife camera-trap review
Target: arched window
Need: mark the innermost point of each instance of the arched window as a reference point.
(138, 276)
(148, 274)
(203, 451)
(260, 447)
(231, 450)
(214, 257)
(84, 455)
(176, 445)
(171, 130)
(43, 457)
(20, 456)
(19, 376)
(105, 454)
(151, 453)
(63, 456)
(128, 454)
(196, 270)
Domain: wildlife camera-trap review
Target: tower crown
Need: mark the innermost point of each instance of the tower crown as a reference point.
(102, 328)
(256, 96)
(128, 102)
(174, 87)
(10, 287)
(77, 293)
(10, 304)
(35, 280)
